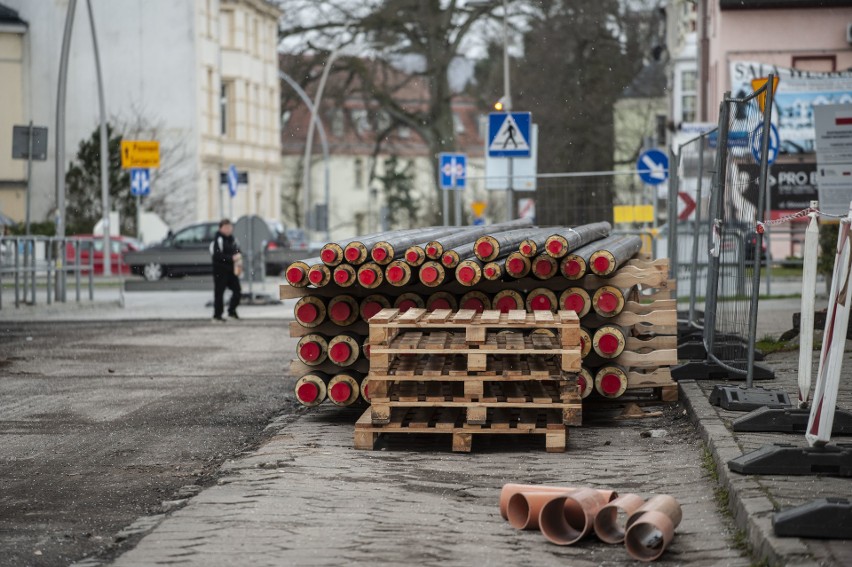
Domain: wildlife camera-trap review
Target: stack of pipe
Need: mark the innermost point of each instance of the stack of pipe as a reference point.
(505, 266)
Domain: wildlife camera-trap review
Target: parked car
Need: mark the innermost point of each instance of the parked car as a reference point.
(120, 245)
(277, 247)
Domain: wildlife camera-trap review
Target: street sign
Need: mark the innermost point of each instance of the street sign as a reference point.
(524, 170)
(526, 209)
(509, 134)
(833, 125)
(688, 206)
(653, 166)
(632, 213)
(453, 170)
(478, 207)
(21, 143)
(140, 182)
(755, 139)
(140, 153)
(756, 84)
(242, 177)
(478, 221)
(233, 179)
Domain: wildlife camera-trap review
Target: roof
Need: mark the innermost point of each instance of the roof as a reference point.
(762, 4)
(650, 82)
(10, 16)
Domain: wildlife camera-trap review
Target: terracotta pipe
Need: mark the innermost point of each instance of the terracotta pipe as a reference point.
(650, 529)
(475, 300)
(524, 508)
(511, 489)
(607, 525)
(568, 519)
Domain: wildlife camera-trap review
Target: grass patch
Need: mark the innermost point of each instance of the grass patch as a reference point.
(769, 345)
(783, 272)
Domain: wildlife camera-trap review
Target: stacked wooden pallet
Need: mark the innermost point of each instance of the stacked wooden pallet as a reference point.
(466, 373)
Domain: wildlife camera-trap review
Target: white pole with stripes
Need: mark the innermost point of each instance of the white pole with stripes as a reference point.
(806, 323)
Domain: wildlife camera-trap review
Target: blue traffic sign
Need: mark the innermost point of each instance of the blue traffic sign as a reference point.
(509, 134)
(653, 166)
(140, 182)
(453, 170)
(233, 179)
(774, 142)
(478, 221)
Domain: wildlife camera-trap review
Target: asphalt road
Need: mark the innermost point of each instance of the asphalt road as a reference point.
(103, 422)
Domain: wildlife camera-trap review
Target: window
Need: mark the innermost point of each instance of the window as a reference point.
(688, 95)
(226, 94)
(458, 123)
(359, 173)
(361, 120)
(191, 235)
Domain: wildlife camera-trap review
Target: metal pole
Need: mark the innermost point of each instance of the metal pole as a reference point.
(139, 217)
(77, 243)
(29, 177)
(507, 91)
(458, 195)
(696, 233)
(104, 144)
(510, 194)
(250, 271)
(60, 138)
(655, 201)
(221, 201)
(446, 207)
(761, 208)
(17, 271)
(671, 210)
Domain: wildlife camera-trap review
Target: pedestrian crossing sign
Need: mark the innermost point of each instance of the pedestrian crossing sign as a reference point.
(509, 134)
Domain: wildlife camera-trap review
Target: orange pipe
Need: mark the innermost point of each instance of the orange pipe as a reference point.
(607, 527)
(565, 520)
(650, 529)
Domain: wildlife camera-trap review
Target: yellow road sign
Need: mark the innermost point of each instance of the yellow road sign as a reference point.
(758, 83)
(478, 207)
(140, 153)
(633, 213)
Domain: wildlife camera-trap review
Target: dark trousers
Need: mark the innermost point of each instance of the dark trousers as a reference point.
(221, 280)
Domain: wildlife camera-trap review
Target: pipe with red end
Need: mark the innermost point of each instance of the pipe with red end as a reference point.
(585, 382)
(365, 389)
(344, 275)
(357, 251)
(311, 389)
(469, 272)
(365, 350)
(370, 275)
(331, 254)
(437, 247)
(507, 300)
(609, 341)
(319, 275)
(312, 349)
(493, 246)
(517, 265)
(544, 267)
(343, 310)
(452, 258)
(565, 240)
(432, 274)
(343, 390)
(296, 273)
(611, 521)
(532, 246)
(415, 256)
(651, 528)
(408, 301)
(493, 271)
(310, 311)
(541, 299)
(389, 249)
(585, 343)
(398, 273)
(372, 304)
(476, 301)
(606, 261)
(611, 381)
(609, 301)
(345, 349)
(575, 299)
(565, 520)
(442, 300)
(576, 264)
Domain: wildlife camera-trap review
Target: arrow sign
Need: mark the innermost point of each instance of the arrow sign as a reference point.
(688, 208)
(453, 170)
(653, 167)
(140, 182)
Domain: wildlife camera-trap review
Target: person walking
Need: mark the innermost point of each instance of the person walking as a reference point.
(226, 263)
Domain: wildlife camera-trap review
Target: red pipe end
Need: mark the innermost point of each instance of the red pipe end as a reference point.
(572, 268)
(515, 266)
(316, 276)
(310, 351)
(339, 352)
(351, 253)
(582, 343)
(429, 274)
(490, 272)
(610, 384)
(554, 247)
(447, 260)
(367, 392)
(543, 268)
(608, 343)
(307, 313)
(412, 256)
(295, 274)
(526, 249)
(367, 277)
(575, 302)
(475, 304)
(340, 392)
(466, 274)
(540, 303)
(328, 255)
(602, 264)
(485, 249)
(341, 276)
(379, 253)
(581, 382)
(405, 305)
(506, 304)
(367, 351)
(431, 251)
(307, 393)
(440, 304)
(607, 302)
(395, 274)
(371, 308)
(340, 311)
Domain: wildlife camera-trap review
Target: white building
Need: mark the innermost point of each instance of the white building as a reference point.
(200, 76)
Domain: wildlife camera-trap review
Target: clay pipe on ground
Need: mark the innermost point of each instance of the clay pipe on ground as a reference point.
(607, 525)
(565, 520)
(650, 529)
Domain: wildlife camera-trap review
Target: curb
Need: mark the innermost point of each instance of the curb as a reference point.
(748, 500)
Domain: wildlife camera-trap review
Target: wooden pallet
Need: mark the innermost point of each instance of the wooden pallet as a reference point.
(445, 367)
(452, 421)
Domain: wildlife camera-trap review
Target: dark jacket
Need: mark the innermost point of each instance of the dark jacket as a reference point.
(223, 249)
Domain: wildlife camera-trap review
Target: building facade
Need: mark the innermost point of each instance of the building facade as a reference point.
(13, 111)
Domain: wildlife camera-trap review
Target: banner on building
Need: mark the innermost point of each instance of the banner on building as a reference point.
(792, 187)
(798, 92)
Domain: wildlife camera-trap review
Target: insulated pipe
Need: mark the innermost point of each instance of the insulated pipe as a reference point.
(391, 248)
(436, 248)
(507, 300)
(415, 256)
(296, 273)
(650, 529)
(365, 389)
(344, 275)
(475, 300)
(370, 275)
(565, 240)
(452, 258)
(517, 265)
(319, 275)
(544, 267)
(343, 390)
(493, 271)
(371, 305)
(611, 381)
(585, 382)
(469, 272)
(333, 253)
(542, 299)
(432, 274)
(356, 252)
(532, 246)
(607, 525)
(365, 350)
(576, 264)
(311, 389)
(605, 261)
(609, 340)
(609, 301)
(344, 350)
(310, 311)
(408, 301)
(398, 273)
(585, 344)
(442, 300)
(343, 310)
(312, 349)
(493, 246)
(576, 299)
(565, 520)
